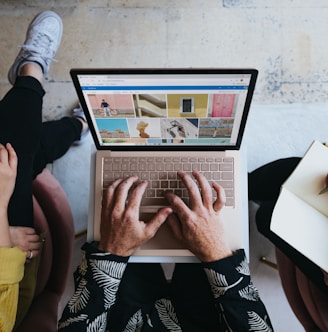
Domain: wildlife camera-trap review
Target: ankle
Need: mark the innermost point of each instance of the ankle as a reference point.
(31, 69)
(85, 126)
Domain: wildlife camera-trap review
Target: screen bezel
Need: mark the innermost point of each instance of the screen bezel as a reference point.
(75, 72)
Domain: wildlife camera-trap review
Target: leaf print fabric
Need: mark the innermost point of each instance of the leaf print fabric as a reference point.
(237, 304)
(256, 323)
(167, 315)
(134, 323)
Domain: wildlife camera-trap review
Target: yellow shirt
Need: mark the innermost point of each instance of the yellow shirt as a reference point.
(11, 273)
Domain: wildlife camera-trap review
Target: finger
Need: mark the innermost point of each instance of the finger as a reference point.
(35, 245)
(136, 195)
(33, 238)
(157, 221)
(175, 225)
(206, 190)
(108, 194)
(30, 254)
(121, 194)
(220, 197)
(12, 156)
(26, 230)
(195, 197)
(177, 204)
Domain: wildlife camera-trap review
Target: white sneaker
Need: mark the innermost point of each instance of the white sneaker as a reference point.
(43, 37)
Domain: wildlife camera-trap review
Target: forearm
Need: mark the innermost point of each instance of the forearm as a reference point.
(5, 240)
(96, 283)
(237, 300)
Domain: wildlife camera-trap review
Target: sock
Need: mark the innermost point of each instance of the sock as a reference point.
(27, 62)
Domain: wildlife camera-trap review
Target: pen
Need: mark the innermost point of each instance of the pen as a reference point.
(325, 189)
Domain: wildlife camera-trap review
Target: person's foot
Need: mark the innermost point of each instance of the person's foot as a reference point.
(43, 37)
(79, 114)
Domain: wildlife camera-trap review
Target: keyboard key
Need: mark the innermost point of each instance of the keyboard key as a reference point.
(161, 173)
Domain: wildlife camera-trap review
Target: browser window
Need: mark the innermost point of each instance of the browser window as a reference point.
(166, 109)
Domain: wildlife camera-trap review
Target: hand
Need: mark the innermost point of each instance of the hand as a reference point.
(199, 226)
(26, 239)
(8, 172)
(121, 231)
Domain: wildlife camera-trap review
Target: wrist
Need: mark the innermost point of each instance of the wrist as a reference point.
(5, 239)
(114, 250)
(3, 209)
(215, 255)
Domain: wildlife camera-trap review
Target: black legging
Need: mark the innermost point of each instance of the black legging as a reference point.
(36, 143)
(264, 185)
(143, 284)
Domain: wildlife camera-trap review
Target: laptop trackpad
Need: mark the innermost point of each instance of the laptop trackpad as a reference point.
(164, 238)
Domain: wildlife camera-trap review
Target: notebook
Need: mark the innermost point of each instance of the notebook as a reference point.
(164, 120)
(300, 216)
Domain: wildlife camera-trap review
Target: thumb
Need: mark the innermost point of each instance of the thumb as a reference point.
(156, 222)
(175, 225)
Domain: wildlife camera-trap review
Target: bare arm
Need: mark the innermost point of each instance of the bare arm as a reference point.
(8, 171)
(11, 258)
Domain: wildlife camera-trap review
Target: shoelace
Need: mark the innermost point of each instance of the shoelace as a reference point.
(41, 41)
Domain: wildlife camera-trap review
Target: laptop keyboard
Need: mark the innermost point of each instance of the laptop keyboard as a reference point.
(161, 174)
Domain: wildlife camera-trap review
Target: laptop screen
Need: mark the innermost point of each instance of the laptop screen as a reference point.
(165, 108)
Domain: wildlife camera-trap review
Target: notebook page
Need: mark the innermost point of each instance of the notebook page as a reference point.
(302, 227)
(308, 178)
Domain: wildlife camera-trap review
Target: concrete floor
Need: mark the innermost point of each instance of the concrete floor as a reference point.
(123, 43)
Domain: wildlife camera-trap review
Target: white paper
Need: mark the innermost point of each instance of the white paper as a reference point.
(300, 216)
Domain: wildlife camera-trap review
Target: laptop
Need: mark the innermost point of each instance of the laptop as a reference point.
(154, 122)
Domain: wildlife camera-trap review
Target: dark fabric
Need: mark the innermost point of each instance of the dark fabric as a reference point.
(264, 186)
(56, 138)
(193, 299)
(20, 125)
(143, 284)
(36, 143)
(111, 295)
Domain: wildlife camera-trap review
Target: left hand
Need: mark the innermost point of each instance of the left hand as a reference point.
(199, 225)
(26, 239)
(121, 231)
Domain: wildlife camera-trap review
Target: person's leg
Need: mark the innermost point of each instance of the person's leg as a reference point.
(265, 182)
(20, 109)
(56, 138)
(192, 298)
(142, 284)
(21, 118)
(20, 125)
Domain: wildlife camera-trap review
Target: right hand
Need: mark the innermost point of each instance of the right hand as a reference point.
(199, 226)
(121, 231)
(26, 239)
